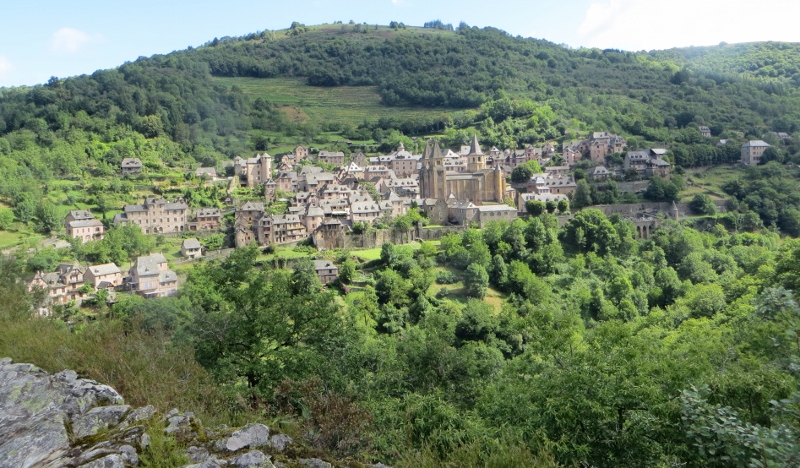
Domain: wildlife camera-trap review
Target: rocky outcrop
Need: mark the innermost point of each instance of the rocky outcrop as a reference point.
(60, 420)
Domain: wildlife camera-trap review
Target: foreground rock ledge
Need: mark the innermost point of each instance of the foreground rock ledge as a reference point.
(60, 420)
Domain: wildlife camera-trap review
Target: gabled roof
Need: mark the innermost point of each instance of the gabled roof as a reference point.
(191, 243)
(104, 269)
(149, 265)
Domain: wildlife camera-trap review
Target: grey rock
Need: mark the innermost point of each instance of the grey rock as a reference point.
(141, 414)
(98, 419)
(129, 455)
(378, 465)
(180, 423)
(144, 441)
(205, 464)
(280, 441)
(196, 454)
(252, 435)
(314, 463)
(172, 412)
(252, 459)
(110, 461)
(40, 414)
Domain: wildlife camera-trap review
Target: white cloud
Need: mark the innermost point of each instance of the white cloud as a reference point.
(69, 40)
(661, 24)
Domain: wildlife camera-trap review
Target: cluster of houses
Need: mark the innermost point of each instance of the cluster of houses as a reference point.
(149, 276)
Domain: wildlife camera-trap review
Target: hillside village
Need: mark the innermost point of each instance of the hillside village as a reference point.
(468, 186)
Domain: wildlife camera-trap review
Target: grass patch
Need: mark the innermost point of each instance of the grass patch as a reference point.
(10, 239)
(303, 103)
(709, 181)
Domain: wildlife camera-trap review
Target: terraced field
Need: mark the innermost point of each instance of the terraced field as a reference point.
(344, 104)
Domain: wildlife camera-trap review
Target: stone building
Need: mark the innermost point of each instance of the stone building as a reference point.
(326, 271)
(156, 215)
(150, 276)
(81, 224)
(253, 171)
(130, 166)
(478, 184)
(752, 151)
(280, 229)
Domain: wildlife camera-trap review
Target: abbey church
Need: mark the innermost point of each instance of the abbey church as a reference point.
(478, 184)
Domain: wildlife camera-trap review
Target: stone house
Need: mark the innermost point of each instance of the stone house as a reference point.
(300, 153)
(601, 144)
(704, 131)
(280, 229)
(326, 271)
(205, 172)
(130, 166)
(81, 224)
(206, 219)
(331, 157)
(487, 213)
(287, 181)
(62, 285)
(435, 209)
(150, 276)
(191, 248)
(752, 151)
(156, 215)
(364, 211)
(105, 276)
(249, 212)
(253, 171)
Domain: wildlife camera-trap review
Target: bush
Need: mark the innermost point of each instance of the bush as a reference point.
(446, 277)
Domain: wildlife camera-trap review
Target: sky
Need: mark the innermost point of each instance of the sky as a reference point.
(65, 38)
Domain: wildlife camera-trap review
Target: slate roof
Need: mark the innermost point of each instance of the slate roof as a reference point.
(148, 265)
(104, 269)
(191, 243)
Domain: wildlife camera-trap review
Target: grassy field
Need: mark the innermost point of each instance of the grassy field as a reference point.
(709, 181)
(457, 294)
(302, 103)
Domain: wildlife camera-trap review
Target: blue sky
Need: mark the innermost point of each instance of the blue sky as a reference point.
(64, 38)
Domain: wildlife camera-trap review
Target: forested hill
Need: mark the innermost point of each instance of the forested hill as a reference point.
(208, 104)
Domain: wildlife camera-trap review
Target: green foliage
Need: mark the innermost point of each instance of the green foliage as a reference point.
(476, 281)
(702, 204)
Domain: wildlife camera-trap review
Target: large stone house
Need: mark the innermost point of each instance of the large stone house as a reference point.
(81, 224)
(601, 144)
(150, 276)
(249, 212)
(280, 229)
(402, 162)
(331, 157)
(156, 216)
(752, 151)
(478, 184)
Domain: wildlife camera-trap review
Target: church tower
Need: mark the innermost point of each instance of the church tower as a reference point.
(476, 160)
(432, 178)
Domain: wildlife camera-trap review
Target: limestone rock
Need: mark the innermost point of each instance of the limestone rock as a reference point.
(314, 463)
(280, 441)
(196, 454)
(252, 435)
(98, 419)
(110, 461)
(205, 464)
(252, 459)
